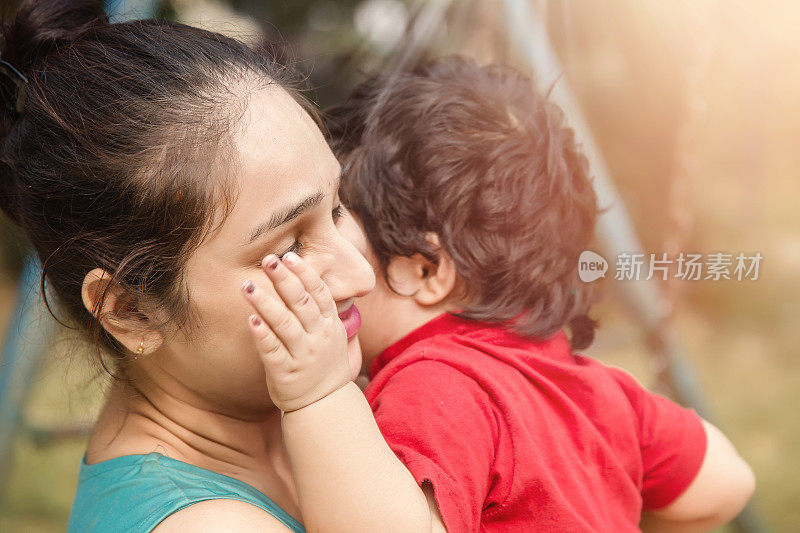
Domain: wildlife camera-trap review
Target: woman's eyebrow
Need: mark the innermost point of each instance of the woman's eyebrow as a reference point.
(285, 215)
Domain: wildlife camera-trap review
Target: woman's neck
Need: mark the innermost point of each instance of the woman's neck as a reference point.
(147, 418)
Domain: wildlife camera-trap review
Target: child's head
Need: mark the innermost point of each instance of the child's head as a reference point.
(474, 197)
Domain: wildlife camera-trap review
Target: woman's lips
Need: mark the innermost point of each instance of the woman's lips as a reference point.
(351, 320)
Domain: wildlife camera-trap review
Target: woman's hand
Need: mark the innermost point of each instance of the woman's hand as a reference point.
(299, 337)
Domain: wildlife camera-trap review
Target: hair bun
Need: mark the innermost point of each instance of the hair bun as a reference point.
(40, 25)
(37, 28)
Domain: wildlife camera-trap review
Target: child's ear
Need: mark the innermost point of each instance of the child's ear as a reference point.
(426, 282)
(117, 313)
(437, 282)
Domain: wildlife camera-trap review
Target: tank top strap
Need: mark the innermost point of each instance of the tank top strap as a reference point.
(137, 492)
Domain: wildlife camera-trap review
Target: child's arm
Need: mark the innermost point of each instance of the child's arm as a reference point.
(347, 477)
(721, 489)
(692, 479)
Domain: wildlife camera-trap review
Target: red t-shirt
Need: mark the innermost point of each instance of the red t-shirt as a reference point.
(520, 435)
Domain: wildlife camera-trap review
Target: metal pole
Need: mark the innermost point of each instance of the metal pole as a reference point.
(25, 347)
(120, 10)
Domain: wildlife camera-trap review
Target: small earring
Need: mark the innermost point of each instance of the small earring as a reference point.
(139, 350)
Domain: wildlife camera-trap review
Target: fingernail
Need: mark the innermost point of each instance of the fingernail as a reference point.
(255, 320)
(291, 258)
(271, 262)
(248, 287)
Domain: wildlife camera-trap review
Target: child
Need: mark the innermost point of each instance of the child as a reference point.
(476, 204)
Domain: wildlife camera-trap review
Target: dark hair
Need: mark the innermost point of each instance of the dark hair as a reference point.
(479, 157)
(117, 159)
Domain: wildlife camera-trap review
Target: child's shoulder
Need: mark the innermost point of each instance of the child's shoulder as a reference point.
(467, 352)
(483, 360)
(432, 390)
(422, 369)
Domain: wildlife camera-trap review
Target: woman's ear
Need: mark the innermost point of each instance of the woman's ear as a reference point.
(118, 313)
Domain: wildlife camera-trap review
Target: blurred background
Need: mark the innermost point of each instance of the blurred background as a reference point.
(693, 107)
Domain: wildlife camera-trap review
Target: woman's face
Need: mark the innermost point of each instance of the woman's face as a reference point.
(288, 200)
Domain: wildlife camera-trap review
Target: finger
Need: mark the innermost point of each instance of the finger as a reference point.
(312, 283)
(270, 348)
(291, 290)
(276, 315)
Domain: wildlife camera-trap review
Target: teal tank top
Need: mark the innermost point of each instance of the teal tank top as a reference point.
(136, 492)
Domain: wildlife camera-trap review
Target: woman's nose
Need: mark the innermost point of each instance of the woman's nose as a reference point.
(349, 274)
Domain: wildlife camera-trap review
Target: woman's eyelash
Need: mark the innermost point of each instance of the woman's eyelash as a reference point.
(296, 247)
(336, 214)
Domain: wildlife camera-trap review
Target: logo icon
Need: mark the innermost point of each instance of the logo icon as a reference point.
(591, 266)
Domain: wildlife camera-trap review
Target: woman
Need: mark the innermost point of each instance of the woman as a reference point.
(153, 165)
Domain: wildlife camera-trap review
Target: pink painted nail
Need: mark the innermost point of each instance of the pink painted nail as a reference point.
(271, 262)
(248, 287)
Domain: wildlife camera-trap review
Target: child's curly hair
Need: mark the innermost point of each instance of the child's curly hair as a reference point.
(478, 156)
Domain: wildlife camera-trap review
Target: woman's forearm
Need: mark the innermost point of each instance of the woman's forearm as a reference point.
(347, 477)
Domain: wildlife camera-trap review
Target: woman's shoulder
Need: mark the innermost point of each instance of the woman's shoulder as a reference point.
(221, 515)
(139, 492)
